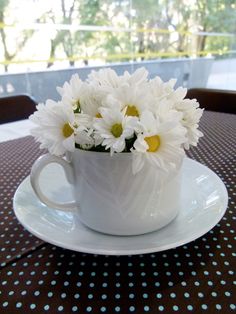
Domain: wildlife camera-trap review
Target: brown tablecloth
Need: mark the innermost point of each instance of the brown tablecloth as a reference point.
(198, 277)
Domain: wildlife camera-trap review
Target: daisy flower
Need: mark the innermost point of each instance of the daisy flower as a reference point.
(133, 101)
(114, 128)
(72, 92)
(177, 95)
(191, 114)
(139, 77)
(91, 100)
(128, 112)
(164, 92)
(108, 81)
(55, 127)
(161, 90)
(105, 79)
(159, 143)
(84, 139)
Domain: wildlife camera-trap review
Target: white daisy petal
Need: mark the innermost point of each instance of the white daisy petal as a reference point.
(191, 114)
(114, 127)
(137, 78)
(54, 127)
(69, 143)
(156, 143)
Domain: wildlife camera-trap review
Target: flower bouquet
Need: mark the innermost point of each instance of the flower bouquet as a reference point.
(124, 140)
(118, 114)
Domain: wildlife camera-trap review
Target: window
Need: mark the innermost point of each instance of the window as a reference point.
(44, 42)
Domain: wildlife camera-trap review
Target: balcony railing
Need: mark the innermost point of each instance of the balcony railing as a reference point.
(189, 72)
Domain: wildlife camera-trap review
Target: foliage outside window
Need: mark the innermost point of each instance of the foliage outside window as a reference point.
(90, 32)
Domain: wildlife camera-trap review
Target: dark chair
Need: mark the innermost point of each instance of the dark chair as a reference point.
(13, 108)
(214, 99)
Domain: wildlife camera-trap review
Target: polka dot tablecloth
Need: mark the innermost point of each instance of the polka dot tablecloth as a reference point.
(16, 159)
(199, 277)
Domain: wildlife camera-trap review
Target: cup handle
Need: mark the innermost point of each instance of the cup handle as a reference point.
(37, 167)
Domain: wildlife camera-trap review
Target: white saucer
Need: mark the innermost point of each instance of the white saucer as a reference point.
(203, 203)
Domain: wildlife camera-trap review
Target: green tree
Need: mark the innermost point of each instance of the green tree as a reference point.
(215, 16)
(85, 12)
(85, 42)
(175, 15)
(160, 18)
(147, 17)
(21, 39)
(62, 37)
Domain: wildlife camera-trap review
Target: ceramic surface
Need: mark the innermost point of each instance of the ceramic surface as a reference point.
(203, 203)
(109, 198)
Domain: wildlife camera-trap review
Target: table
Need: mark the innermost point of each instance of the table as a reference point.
(13, 130)
(199, 277)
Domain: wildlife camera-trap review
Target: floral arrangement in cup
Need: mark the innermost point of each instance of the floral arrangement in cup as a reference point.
(117, 114)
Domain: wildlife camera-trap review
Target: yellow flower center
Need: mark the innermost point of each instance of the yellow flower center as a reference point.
(67, 130)
(131, 110)
(117, 129)
(98, 115)
(153, 142)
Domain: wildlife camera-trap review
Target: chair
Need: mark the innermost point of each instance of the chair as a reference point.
(214, 99)
(13, 108)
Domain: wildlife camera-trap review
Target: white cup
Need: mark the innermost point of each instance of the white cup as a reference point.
(108, 197)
